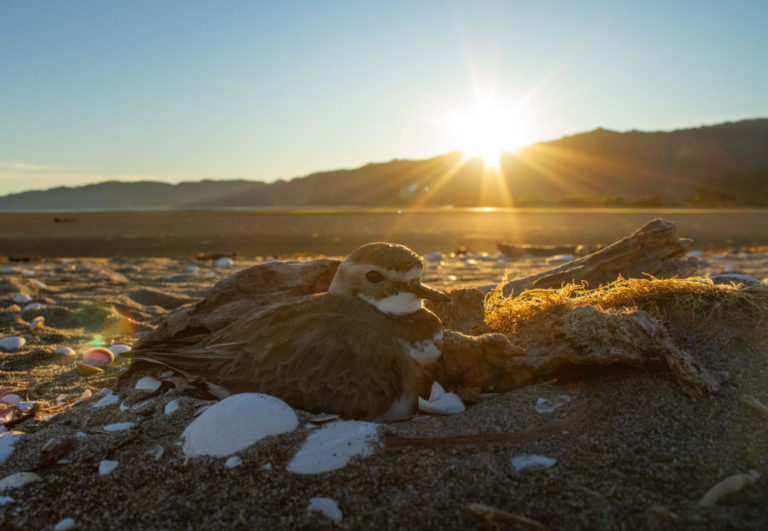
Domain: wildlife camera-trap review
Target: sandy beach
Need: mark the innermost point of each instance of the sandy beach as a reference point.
(631, 450)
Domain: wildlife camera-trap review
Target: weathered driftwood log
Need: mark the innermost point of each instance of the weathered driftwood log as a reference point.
(653, 249)
(585, 336)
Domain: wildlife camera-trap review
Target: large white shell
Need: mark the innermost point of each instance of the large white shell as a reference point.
(332, 446)
(7, 440)
(327, 507)
(440, 402)
(12, 343)
(148, 384)
(236, 423)
(19, 479)
(224, 262)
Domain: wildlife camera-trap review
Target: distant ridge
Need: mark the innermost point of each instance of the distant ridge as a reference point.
(723, 164)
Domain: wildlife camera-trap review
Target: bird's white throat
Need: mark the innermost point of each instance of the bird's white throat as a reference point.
(399, 304)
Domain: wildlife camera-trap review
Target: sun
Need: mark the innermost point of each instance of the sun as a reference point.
(489, 129)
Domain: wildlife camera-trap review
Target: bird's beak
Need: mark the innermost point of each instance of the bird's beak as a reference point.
(425, 292)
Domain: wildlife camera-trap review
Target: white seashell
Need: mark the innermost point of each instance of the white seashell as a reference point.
(233, 461)
(224, 262)
(64, 525)
(36, 323)
(12, 343)
(546, 405)
(11, 399)
(118, 349)
(440, 402)
(327, 507)
(106, 466)
(268, 466)
(65, 351)
(210, 274)
(85, 395)
(193, 269)
(5, 270)
(123, 407)
(5, 499)
(332, 446)
(108, 399)
(13, 308)
(434, 257)
(7, 440)
(167, 374)
(728, 486)
(28, 272)
(19, 479)
(80, 434)
(531, 462)
(171, 406)
(37, 283)
(25, 406)
(148, 384)
(236, 423)
(119, 426)
(34, 306)
(22, 298)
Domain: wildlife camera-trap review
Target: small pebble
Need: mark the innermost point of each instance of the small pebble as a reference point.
(64, 525)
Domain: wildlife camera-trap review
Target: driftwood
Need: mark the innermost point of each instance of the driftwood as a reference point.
(653, 249)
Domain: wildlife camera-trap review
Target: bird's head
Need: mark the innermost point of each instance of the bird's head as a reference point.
(385, 275)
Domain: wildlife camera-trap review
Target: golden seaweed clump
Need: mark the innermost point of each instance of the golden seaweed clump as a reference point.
(697, 297)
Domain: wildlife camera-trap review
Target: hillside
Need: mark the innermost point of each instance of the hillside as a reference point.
(686, 166)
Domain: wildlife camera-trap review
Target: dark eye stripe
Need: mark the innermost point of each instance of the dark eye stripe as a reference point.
(374, 277)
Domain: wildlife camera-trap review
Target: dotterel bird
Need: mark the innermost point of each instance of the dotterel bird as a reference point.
(361, 350)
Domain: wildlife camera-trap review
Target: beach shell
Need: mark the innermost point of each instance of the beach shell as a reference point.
(12, 343)
(85, 395)
(171, 406)
(22, 298)
(118, 349)
(547, 405)
(728, 486)
(148, 384)
(236, 423)
(86, 369)
(334, 445)
(65, 351)
(64, 525)
(36, 323)
(13, 308)
(233, 461)
(5, 499)
(37, 283)
(108, 398)
(5, 270)
(224, 262)
(10, 398)
(19, 479)
(440, 402)
(434, 257)
(119, 426)
(531, 462)
(106, 466)
(7, 440)
(34, 306)
(98, 357)
(327, 507)
(193, 270)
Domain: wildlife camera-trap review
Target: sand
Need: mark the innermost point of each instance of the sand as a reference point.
(632, 450)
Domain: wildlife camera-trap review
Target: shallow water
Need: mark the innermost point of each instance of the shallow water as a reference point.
(336, 232)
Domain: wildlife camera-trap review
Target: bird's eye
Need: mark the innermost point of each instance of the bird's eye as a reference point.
(374, 277)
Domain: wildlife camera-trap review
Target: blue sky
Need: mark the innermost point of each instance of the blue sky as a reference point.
(188, 90)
